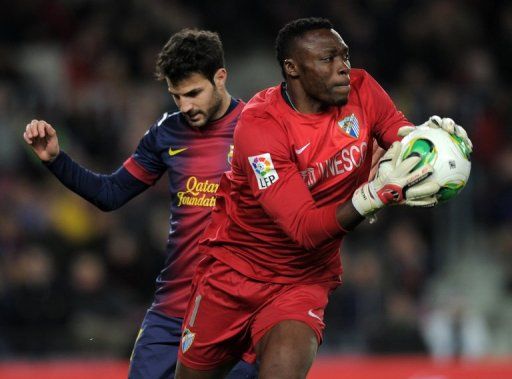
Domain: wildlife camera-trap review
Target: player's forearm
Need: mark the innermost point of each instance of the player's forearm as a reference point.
(311, 227)
(107, 192)
(321, 225)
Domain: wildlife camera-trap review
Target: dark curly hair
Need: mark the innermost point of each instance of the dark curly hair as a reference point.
(294, 30)
(190, 51)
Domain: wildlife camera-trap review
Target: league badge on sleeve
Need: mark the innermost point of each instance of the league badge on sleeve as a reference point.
(263, 168)
(350, 126)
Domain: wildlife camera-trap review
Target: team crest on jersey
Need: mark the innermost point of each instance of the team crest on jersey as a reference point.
(186, 340)
(350, 126)
(263, 168)
(230, 154)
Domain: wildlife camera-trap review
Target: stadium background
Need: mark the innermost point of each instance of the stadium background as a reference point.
(75, 282)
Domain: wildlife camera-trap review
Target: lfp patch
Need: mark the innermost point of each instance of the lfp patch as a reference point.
(186, 340)
(350, 125)
(263, 168)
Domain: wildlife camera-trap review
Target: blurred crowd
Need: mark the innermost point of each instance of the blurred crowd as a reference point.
(76, 281)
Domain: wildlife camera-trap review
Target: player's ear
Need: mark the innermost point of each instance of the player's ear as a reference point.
(290, 68)
(220, 77)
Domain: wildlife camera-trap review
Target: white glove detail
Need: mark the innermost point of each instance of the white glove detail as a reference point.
(446, 124)
(396, 184)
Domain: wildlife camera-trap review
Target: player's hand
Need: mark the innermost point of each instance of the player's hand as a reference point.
(446, 124)
(396, 184)
(43, 139)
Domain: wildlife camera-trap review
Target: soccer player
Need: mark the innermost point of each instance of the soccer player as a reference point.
(194, 147)
(299, 183)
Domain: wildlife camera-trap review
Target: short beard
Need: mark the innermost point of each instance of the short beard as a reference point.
(340, 102)
(217, 103)
(327, 103)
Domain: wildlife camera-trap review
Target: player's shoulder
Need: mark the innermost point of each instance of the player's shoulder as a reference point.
(160, 128)
(167, 119)
(230, 119)
(262, 105)
(359, 78)
(261, 114)
(364, 88)
(261, 111)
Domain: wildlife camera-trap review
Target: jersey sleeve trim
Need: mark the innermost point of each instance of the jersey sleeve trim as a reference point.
(139, 172)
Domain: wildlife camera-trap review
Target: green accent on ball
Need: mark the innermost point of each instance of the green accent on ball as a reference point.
(462, 146)
(422, 147)
(449, 190)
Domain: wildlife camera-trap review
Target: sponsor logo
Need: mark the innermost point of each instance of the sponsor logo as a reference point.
(308, 175)
(390, 194)
(264, 170)
(350, 126)
(230, 154)
(198, 193)
(344, 161)
(172, 152)
(314, 315)
(301, 150)
(187, 340)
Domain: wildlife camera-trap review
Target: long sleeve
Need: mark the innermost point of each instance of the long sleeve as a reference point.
(107, 192)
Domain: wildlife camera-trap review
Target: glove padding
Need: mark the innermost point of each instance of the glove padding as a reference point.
(446, 124)
(396, 184)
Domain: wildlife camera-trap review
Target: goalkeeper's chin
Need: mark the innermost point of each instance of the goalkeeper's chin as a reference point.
(339, 95)
(339, 102)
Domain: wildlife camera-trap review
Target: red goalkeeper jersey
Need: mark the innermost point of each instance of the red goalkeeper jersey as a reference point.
(275, 215)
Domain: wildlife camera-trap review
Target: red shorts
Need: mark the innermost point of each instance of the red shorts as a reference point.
(228, 313)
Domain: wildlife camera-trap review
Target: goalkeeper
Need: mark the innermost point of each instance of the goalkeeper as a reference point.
(299, 183)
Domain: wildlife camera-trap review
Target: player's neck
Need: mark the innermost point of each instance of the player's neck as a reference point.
(300, 101)
(224, 106)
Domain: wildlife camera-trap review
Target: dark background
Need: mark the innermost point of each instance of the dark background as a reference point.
(76, 282)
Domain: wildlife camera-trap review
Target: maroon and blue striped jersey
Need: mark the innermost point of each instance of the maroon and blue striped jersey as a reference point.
(194, 159)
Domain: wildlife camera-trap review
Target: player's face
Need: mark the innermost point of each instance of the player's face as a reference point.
(323, 66)
(197, 98)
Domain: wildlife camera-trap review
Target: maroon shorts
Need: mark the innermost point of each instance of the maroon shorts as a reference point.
(228, 313)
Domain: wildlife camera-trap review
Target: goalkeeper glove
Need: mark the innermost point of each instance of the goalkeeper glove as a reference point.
(447, 124)
(396, 184)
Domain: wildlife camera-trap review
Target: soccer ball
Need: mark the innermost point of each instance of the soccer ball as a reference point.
(446, 153)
